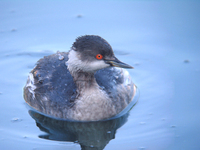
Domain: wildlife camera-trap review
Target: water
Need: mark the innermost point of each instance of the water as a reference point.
(159, 38)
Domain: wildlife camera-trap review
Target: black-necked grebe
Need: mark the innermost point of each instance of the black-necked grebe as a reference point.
(82, 84)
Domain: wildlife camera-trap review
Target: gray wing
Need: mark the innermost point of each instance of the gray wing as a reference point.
(118, 85)
(50, 84)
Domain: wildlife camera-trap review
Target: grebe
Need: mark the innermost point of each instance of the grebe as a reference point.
(82, 84)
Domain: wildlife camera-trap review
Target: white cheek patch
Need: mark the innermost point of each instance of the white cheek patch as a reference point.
(95, 65)
(75, 63)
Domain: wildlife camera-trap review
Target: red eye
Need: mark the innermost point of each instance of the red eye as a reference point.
(99, 56)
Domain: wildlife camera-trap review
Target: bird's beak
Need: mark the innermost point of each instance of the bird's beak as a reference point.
(117, 63)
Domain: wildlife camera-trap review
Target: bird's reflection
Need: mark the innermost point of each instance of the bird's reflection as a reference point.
(90, 135)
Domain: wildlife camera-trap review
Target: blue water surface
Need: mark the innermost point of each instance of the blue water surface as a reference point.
(161, 39)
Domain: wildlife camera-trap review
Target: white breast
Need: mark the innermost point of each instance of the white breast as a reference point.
(94, 105)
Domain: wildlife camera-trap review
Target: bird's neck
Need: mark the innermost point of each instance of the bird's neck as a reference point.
(84, 80)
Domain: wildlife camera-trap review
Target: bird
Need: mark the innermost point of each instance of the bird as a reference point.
(87, 83)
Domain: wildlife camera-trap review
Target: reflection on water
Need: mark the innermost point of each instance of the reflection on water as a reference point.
(90, 135)
(93, 135)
